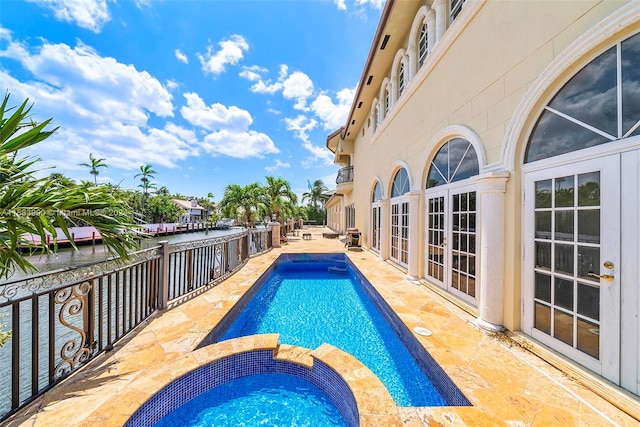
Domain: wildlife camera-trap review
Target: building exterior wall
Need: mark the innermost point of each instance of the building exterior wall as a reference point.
(487, 79)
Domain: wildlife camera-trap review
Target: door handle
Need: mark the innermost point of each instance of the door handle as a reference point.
(606, 276)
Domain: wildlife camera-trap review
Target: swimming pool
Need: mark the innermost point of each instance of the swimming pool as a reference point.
(313, 298)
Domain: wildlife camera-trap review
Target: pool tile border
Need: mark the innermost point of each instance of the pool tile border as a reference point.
(358, 394)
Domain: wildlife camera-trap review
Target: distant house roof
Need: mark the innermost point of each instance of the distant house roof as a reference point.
(187, 204)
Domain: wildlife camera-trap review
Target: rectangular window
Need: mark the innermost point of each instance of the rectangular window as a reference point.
(350, 216)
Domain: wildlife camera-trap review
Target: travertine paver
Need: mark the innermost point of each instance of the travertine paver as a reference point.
(507, 384)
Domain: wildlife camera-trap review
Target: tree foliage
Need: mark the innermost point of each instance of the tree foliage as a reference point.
(31, 205)
(278, 199)
(242, 201)
(316, 194)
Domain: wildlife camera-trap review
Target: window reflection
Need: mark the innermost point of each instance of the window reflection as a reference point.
(590, 101)
(631, 84)
(400, 183)
(456, 160)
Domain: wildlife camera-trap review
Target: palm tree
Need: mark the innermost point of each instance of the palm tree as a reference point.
(239, 200)
(93, 165)
(316, 194)
(278, 198)
(146, 174)
(32, 205)
(62, 180)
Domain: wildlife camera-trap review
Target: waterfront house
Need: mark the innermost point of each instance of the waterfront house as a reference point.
(492, 152)
(193, 211)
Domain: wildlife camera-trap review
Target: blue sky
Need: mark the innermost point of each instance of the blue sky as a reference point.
(207, 92)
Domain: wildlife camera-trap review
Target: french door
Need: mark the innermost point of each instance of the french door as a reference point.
(399, 252)
(571, 227)
(451, 239)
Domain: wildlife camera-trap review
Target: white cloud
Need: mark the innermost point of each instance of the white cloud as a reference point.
(78, 81)
(298, 86)
(231, 52)
(375, 4)
(254, 74)
(301, 126)
(331, 114)
(215, 116)
(318, 153)
(100, 104)
(89, 14)
(181, 56)
(277, 165)
(228, 129)
(239, 144)
(295, 86)
(341, 4)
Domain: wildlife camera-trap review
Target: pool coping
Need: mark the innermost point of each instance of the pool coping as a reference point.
(374, 404)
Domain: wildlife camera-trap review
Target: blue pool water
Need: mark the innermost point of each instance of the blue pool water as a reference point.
(271, 399)
(323, 300)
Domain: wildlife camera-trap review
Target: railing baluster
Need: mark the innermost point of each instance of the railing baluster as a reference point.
(15, 359)
(35, 353)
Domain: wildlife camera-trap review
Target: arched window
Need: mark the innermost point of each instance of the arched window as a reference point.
(594, 107)
(423, 45)
(456, 160)
(377, 193)
(387, 100)
(400, 183)
(401, 79)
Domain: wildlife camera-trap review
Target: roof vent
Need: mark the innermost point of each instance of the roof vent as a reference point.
(369, 80)
(359, 104)
(353, 122)
(384, 41)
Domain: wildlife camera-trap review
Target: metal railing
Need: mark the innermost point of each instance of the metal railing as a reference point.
(345, 175)
(61, 320)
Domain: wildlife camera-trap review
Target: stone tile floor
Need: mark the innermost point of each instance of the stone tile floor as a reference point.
(507, 385)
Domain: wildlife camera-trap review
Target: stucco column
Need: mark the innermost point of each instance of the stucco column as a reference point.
(441, 19)
(431, 30)
(275, 234)
(414, 235)
(491, 189)
(384, 229)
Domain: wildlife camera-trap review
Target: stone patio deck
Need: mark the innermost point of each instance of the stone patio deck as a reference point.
(507, 384)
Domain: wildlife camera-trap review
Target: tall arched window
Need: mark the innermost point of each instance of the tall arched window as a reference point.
(423, 45)
(387, 100)
(400, 218)
(401, 75)
(451, 214)
(594, 107)
(376, 208)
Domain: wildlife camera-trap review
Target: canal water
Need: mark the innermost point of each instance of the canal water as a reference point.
(69, 257)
